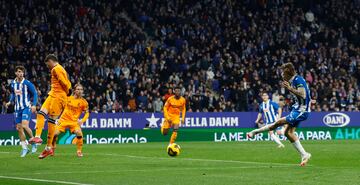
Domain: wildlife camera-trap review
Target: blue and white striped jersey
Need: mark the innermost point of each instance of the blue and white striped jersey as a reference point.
(21, 94)
(301, 104)
(269, 110)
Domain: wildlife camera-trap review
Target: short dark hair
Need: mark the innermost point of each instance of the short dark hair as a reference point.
(22, 68)
(51, 57)
(177, 87)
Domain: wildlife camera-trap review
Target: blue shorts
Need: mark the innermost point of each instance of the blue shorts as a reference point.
(24, 114)
(295, 117)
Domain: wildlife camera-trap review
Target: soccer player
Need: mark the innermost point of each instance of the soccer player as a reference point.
(272, 112)
(22, 91)
(54, 103)
(300, 109)
(75, 106)
(172, 108)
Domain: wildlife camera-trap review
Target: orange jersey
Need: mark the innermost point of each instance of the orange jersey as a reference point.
(60, 84)
(174, 106)
(74, 108)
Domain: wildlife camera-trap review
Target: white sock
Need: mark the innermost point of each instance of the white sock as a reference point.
(23, 144)
(299, 148)
(262, 129)
(276, 139)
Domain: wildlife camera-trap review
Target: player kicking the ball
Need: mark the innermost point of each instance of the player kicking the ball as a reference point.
(54, 103)
(300, 110)
(173, 106)
(272, 112)
(75, 106)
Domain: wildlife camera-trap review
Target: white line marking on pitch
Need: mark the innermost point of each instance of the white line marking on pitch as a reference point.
(188, 159)
(151, 170)
(205, 160)
(41, 180)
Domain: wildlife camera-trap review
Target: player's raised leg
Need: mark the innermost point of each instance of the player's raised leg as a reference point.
(40, 122)
(290, 134)
(268, 127)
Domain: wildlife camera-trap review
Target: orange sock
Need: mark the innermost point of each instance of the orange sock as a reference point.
(173, 137)
(51, 132)
(40, 122)
(79, 143)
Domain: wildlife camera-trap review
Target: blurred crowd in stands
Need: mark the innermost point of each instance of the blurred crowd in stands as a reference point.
(223, 53)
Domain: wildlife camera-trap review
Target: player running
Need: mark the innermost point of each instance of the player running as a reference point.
(272, 112)
(172, 108)
(22, 91)
(75, 106)
(54, 103)
(300, 110)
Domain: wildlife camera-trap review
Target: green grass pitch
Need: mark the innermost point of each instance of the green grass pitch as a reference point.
(333, 162)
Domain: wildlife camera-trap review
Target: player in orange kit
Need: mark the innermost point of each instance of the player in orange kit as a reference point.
(173, 106)
(54, 103)
(75, 106)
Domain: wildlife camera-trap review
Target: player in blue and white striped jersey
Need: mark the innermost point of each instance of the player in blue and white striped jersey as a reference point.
(300, 91)
(271, 112)
(22, 91)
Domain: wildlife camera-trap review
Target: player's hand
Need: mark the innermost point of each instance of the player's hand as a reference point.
(33, 109)
(7, 104)
(285, 84)
(80, 122)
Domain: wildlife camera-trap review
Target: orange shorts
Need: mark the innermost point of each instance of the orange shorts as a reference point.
(173, 120)
(63, 125)
(54, 105)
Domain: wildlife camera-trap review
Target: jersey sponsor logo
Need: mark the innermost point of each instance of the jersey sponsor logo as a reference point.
(336, 119)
